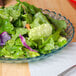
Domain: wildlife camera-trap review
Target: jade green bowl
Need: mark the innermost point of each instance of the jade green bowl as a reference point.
(70, 34)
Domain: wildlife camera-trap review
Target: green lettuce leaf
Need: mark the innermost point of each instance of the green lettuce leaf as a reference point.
(55, 37)
(18, 23)
(35, 23)
(48, 47)
(19, 31)
(41, 51)
(5, 25)
(30, 54)
(41, 31)
(0, 51)
(27, 18)
(39, 19)
(24, 23)
(42, 18)
(29, 8)
(29, 42)
(14, 11)
(59, 24)
(12, 52)
(61, 41)
(18, 42)
(4, 14)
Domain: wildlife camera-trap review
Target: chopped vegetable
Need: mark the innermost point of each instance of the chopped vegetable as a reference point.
(5, 15)
(19, 31)
(30, 54)
(29, 8)
(14, 11)
(24, 43)
(62, 41)
(55, 37)
(27, 26)
(18, 23)
(39, 19)
(26, 32)
(5, 25)
(27, 18)
(40, 32)
(4, 37)
(58, 23)
(12, 52)
(49, 45)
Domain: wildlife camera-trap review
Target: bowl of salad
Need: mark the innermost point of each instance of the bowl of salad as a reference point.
(29, 34)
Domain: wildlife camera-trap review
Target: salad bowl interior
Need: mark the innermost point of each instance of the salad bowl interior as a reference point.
(70, 33)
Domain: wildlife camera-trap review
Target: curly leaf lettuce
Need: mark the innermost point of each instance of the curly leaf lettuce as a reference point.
(12, 52)
(5, 25)
(4, 14)
(19, 31)
(48, 47)
(55, 37)
(28, 18)
(14, 11)
(39, 19)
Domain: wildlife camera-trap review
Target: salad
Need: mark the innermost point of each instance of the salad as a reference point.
(26, 32)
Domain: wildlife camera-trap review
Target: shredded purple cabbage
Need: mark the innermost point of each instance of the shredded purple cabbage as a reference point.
(25, 44)
(4, 37)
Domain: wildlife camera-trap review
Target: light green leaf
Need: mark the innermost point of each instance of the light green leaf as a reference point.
(5, 25)
(19, 31)
(41, 31)
(49, 45)
(12, 52)
(14, 11)
(30, 54)
(61, 41)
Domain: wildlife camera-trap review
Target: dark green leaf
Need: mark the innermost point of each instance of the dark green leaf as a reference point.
(58, 23)
(18, 23)
(27, 18)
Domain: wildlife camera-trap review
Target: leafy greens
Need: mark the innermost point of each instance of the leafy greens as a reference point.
(26, 32)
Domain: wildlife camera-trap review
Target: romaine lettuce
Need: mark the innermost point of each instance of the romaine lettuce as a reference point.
(14, 11)
(12, 52)
(28, 18)
(5, 25)
(19, 31)
(61, 41)
(41, 31)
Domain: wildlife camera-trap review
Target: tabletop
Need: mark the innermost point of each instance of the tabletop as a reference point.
(60, 6)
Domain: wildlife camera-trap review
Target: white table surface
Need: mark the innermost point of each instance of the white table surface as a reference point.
(54, 65)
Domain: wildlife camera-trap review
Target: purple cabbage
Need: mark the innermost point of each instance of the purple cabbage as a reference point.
(25, 44)
(4, 37)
